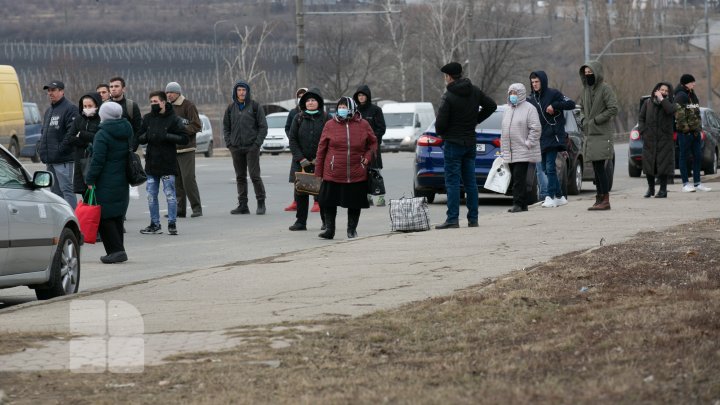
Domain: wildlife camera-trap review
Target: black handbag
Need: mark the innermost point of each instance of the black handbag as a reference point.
(375, 182)
(134, 169)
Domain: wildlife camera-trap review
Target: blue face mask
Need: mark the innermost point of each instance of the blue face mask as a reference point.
(343, 112)
(513, 99)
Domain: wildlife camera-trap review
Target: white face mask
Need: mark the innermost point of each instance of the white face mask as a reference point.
(89, 112)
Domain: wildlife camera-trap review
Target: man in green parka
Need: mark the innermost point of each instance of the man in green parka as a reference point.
(598, 108)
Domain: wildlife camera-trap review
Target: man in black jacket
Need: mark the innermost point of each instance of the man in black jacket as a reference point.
(131, 111)
(462, 107)
(57, 123)
(374, 116)
(162, 130)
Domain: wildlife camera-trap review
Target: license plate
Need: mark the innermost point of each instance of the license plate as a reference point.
(273, 145)
(480, 147)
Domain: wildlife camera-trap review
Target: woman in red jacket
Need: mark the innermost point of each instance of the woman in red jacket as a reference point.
(346, 146)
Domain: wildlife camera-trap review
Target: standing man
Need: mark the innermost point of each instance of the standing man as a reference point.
(244, 130)
(103, 89)
(462, 107)
(550, 104)
(131, 111)
(374, 116)
(599, 107)
(162, 131)
(185, 183)
(57, 122)
(689, 124)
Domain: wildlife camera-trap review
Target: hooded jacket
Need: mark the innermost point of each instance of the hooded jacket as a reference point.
(107, 167)
(598, 108)
(305, 131)
(520, 136)
(553, 135)
(374, 116)
(244, 124)
(162, 132)
(292, 113)
(458, 112)
(687, 116)
(344, 143)
(655, 125)
(79, 141)
(57, 122)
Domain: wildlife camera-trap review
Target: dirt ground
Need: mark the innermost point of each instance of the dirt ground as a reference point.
(637, 322)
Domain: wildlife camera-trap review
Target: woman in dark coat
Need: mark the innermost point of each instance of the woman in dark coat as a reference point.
(374, 116)
(304, 137)
(346, 146)
(107, 175)
(655, 125)
(80, 138)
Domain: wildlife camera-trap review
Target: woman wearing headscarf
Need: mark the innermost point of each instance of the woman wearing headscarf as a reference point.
(520, 142)
(107, 175)
(305, 132)
(346, 146)
(655, 125)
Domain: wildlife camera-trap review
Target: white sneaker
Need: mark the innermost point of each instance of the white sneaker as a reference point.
(559, 202)
(549, 203)
(702, 187)
(688, 188)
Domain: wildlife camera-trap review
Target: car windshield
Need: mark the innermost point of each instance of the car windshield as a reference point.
(398, 120)
(493, 122)
(276, 122)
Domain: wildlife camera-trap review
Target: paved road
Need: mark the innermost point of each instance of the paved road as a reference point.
(219, 238)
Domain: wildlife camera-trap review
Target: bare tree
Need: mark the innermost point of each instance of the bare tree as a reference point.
(397, 27)
(245, 63)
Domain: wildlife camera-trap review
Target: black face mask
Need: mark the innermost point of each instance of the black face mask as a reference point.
(155, 108)
(590, 79)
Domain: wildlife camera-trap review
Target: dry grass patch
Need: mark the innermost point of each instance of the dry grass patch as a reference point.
(631, 323)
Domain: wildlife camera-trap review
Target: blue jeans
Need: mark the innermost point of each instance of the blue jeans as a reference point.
(550, 169)
(152, 188)
(64, 181)
(690, 143)
(460, 163)
(542, 180)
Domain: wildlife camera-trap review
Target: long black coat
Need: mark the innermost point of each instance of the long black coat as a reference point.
(656, 129)
(79, 140)
(374, 116)
(305, 131)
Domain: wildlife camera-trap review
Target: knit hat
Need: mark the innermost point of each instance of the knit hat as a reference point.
(173, 87)
(686, 78)
(452, 69)
(110, 110)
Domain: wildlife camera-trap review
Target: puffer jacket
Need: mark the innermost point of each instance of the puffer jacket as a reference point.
(107, 167)
(655, 125)
(57, 123)
(162, 133)
(599, 107)
(458, 112)
(520, 137)
(343, 144)
(305, 132)
(79, 142)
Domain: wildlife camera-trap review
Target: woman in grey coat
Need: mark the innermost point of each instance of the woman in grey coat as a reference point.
(655, 125)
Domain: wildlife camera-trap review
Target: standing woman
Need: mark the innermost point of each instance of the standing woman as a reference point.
(520, 142)
(655, 125)
(107, 175)
(79, 139)
(346, 146)
(305, 131)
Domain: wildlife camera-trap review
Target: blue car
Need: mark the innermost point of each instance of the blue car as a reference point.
(429, 160)
(33, 125)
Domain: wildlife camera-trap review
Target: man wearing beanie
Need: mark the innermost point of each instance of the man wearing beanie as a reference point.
(461, 101)
(688, 124)
(186, 187)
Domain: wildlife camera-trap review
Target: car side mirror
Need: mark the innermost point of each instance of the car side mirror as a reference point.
(42, 179)
(417, 124)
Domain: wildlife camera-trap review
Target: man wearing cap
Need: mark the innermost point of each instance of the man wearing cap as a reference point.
(57, 122)
(462, 107)
(186, 187)
(688, 126)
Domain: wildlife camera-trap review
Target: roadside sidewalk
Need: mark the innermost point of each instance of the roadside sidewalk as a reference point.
(352, 278)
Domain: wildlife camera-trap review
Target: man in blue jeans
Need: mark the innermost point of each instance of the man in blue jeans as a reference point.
(462, 107)
(688, 125)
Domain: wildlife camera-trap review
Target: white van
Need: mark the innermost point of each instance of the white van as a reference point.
(405, 122)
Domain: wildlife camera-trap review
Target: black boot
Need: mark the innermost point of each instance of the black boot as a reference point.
(242, 208)
(261, 207)
(663, 187)
(651, 186)
(329, 232)
(353, 219)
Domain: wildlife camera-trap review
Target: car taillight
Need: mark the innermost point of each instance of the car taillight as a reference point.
(634, 135)
(496, 142)
(429, 140)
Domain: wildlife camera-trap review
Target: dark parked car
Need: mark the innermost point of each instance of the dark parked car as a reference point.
(33, 125)
(710, 140)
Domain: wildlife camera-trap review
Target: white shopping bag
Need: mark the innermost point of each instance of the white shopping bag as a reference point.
(134, 193)
(498, 179)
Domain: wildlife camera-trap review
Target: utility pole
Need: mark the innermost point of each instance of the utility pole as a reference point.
(300, 76)
(468, 30)
(707, 57)
(587, 31)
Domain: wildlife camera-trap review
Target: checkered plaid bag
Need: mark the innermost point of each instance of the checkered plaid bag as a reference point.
(409, 214)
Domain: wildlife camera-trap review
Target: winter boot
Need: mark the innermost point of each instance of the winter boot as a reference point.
(651, 186)
(260, 208)
(242, 208)
(353, 219)
(598, 199)
(604, 204)
(663, 187)
(329, 232)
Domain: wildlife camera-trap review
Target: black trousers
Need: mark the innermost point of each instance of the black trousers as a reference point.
(111, 231)
(244, 161)
(518, 172)
(330, 212)
(602, 183)
(303, 205)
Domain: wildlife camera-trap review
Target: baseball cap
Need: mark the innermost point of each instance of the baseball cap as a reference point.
(55, 84)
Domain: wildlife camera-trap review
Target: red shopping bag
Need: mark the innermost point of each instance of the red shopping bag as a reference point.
(88, 214)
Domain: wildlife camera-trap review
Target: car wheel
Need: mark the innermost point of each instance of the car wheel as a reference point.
(633, 170)
(712, 167)
(14, 148)
(610, 170)
(64, 269)
(209, 152)
(575, 179)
